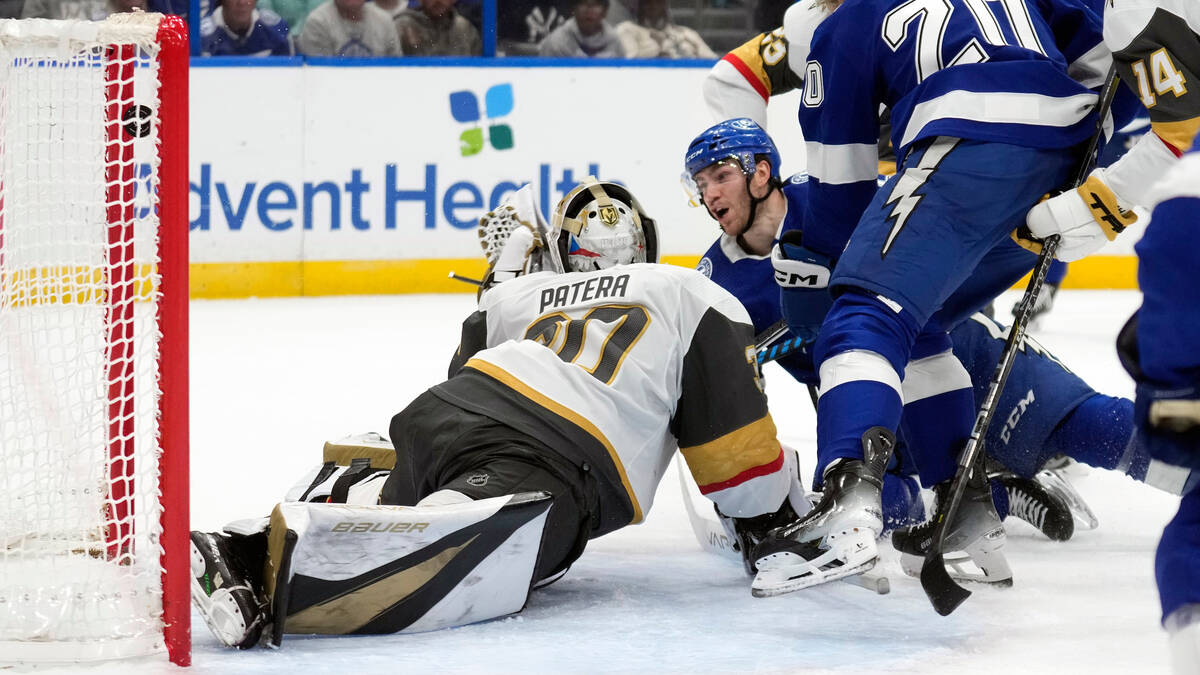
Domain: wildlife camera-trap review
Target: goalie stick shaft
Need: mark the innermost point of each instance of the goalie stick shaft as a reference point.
(944, 594)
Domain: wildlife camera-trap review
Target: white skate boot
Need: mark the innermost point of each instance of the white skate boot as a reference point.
(974, 541)
(837, 538)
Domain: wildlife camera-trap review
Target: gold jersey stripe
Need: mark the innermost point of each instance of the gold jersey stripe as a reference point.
(727, 456)
(1180, 134)
(557, 408)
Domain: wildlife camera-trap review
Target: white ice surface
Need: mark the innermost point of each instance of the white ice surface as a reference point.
(273, 379)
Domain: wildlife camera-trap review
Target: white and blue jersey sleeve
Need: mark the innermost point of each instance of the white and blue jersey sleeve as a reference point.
(1015, 71)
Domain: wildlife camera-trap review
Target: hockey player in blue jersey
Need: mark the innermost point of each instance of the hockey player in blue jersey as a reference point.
(732, 165)
(1159, 349)
(985, 120)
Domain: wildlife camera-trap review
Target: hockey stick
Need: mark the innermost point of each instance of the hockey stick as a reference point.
(765, 346)
(944, 594)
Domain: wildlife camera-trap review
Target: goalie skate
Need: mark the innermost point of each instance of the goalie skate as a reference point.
(836, 539)
(974, 541)
(223, 591)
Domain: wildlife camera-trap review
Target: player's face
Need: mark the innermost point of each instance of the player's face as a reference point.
(722, 186)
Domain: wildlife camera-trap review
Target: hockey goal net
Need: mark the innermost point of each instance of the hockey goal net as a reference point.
(93, 339)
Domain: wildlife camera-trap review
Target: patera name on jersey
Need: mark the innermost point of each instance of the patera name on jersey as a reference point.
(594, 288)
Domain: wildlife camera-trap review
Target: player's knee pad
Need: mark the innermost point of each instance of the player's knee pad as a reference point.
(340, 569)
(863, 321)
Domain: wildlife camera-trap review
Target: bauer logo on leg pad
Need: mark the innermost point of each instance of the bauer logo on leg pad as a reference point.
(368, 526)
(454, 565)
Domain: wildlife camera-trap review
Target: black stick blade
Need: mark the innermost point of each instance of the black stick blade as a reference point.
(944, 594)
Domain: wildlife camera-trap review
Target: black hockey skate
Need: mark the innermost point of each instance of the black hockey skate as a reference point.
(975, 536)
(226, 589)
(837, 538)
(1033, 503)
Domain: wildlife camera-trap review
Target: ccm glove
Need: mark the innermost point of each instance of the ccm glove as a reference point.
(1085, 218)
(803, 278)
(1166, 419)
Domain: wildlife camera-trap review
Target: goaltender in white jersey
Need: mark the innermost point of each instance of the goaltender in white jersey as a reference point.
(568, 396)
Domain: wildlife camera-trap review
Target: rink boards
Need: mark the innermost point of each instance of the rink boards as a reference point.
(334, 179)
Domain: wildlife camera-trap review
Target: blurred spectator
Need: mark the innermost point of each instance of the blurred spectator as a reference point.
(653, 35)
(349, 28)
(89, 10)
(11, 9)
(236, 28)
(177, 7)
(522, 24)
(294, 12)
(586, 34)
(436, 29)
(392, 7)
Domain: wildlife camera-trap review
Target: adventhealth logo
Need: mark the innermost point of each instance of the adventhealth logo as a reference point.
(497, 102)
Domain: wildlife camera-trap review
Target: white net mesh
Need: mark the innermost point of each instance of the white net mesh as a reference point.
(80, 571)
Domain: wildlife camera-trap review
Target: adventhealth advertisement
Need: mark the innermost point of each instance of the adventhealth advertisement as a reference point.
(326, 180)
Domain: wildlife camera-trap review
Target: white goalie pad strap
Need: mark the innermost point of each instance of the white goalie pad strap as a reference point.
(317, 484)
(304, 488)
(366, 492)
(340, 569)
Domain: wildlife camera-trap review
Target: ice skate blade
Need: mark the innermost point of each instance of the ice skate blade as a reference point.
(221, 613)
(851, 553)
(871, 581)
(781, 582)
(958, 566)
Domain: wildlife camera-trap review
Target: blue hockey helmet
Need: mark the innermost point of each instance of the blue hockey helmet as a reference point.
(740, 139)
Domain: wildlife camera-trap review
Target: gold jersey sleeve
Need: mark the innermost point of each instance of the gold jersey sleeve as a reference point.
(763, 61)
(1156, 48)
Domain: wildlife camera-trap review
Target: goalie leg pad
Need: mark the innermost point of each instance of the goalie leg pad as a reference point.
(344, 569)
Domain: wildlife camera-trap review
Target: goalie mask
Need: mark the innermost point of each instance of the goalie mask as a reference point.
(599, 225)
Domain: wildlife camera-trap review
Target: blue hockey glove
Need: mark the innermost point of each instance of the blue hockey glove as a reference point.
(803, 278)
(1167, 418)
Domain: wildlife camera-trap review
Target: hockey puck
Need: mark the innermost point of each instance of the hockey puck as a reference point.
(137, 120)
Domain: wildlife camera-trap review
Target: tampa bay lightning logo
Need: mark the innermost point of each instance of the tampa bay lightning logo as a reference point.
(705, 267)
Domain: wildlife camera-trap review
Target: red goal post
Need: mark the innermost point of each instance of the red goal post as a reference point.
(93, 339)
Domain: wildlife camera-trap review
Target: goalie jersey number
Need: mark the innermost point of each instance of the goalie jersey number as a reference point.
(617, 326)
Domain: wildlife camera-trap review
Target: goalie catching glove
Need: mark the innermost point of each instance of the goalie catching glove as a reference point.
(513, 238)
